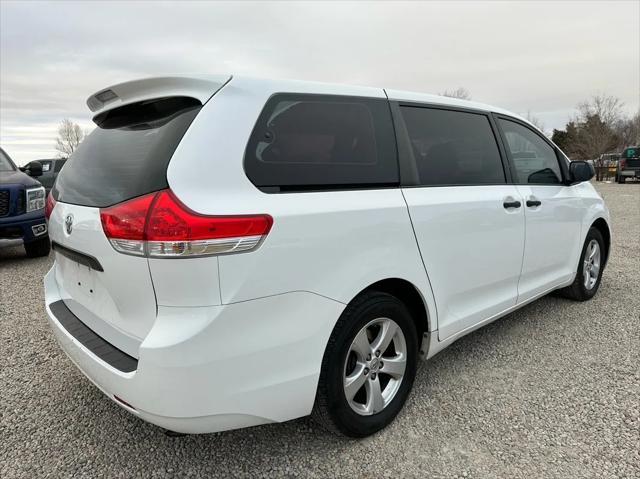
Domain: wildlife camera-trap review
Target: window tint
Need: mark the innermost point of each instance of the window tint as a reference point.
(452, 147)
(320, 142)
(535, 161)
(127, 154)
(58, 166)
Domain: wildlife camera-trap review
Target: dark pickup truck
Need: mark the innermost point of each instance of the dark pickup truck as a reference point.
(628, 164)
(22, 206)
(50, 169)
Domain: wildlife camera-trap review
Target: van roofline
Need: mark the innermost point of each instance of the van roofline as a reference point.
(203, 87)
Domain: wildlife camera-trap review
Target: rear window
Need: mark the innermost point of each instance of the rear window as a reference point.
(127, 154)
(322, 142)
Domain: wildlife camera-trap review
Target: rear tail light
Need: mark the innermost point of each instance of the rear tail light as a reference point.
(623, 164)
(124, 224)
(49, 205)
(158, 225)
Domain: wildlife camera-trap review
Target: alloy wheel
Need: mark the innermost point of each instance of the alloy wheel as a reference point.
(591, 269)
(375, 366)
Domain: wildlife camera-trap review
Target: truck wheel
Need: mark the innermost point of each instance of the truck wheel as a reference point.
(621, 179)
(37, 248)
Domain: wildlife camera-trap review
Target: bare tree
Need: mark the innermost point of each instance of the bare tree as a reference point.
(535, 121)
(628, 130)
(597, 120)
(460, 93)
(608, 108)
(69, 137)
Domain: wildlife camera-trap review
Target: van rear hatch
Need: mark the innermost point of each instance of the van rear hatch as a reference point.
(126, 156)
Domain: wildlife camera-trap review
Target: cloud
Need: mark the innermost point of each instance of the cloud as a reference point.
(542, 57)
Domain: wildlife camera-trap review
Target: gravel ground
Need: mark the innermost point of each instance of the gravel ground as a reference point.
(551, 390)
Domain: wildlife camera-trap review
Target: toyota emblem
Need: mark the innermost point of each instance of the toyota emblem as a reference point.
(68, 223)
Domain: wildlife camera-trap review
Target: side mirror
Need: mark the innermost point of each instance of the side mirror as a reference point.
(581, 171)
(33, 168)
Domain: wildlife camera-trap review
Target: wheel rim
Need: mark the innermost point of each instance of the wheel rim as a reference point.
(375, 366)
(591, 268)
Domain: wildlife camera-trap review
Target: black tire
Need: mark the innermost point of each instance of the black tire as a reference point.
(621, 179)
(38, 248)
(331, 409)
(577, 290)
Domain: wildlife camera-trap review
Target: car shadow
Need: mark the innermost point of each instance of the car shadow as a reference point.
(15, 253)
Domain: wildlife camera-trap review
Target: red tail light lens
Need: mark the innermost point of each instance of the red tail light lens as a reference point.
(170, 220)
(159, 225)
(126, 220)
(49, 205)
(623, 164)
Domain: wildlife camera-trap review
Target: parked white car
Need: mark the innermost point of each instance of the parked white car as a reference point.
(234, 251)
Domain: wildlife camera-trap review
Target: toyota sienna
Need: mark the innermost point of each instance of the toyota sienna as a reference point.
(233, 251)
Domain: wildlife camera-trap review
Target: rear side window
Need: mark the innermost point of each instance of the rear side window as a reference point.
(322, 142)
(453, 147)
(534, 160)
(127, 154)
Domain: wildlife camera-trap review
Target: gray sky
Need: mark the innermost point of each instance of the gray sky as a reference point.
(542, 57)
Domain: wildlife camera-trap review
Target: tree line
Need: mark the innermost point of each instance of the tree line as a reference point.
(599, 127)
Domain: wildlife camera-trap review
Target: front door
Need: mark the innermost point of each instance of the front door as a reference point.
(552, 211)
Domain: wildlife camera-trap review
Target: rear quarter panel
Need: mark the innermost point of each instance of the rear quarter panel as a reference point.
(330, 243)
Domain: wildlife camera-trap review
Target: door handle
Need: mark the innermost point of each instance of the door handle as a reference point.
(532, 203)
(512, 204)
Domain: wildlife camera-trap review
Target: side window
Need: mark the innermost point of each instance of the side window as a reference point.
(453, 147)
(534, 160)
(322, 142)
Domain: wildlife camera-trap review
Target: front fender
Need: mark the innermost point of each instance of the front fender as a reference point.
(595, 209)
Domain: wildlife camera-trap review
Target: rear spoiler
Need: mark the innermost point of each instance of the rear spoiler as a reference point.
(200, 87)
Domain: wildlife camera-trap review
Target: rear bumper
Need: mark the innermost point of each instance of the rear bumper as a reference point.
(207, 369)
(630, 173)
(22, 227)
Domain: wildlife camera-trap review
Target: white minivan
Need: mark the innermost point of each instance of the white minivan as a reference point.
(234, 251)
